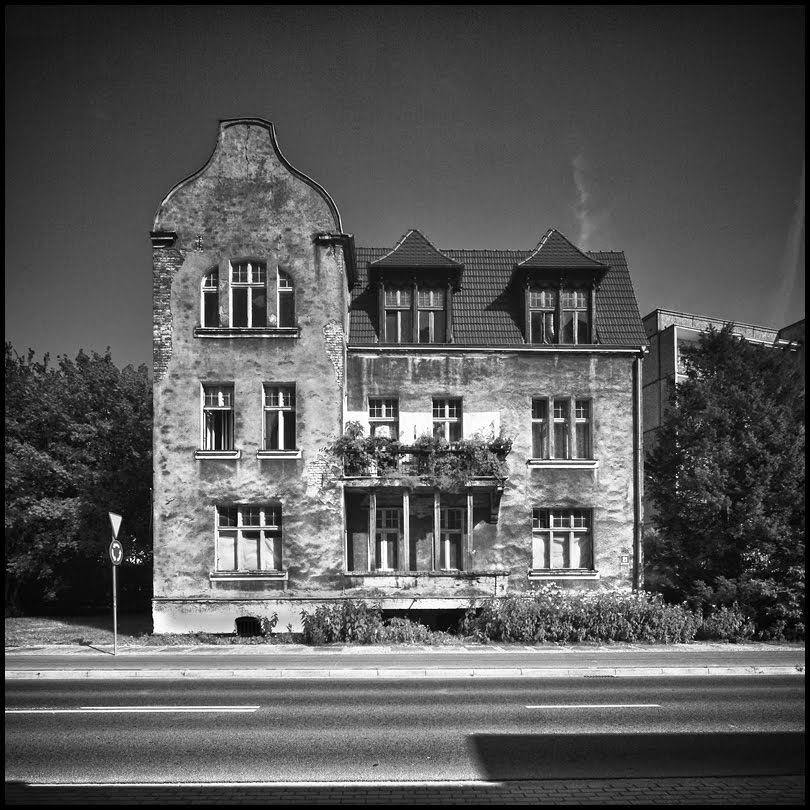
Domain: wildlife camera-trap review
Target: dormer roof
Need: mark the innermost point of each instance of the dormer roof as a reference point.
(555, 252)
(414, 251)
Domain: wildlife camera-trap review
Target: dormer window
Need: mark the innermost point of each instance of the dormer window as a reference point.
(248, 294)
(398, 316)
(576, 323)
(431, 314)
(558, 315)
(209, 307)
(543, 315)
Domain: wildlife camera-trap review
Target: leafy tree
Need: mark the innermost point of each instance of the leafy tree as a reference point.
(78, 445)
(727, 478)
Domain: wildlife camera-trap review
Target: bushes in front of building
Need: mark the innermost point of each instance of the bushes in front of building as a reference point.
(549, 615)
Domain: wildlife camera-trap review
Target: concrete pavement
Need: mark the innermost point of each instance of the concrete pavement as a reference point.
(403, 661)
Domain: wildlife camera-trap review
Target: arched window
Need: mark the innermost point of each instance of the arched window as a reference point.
(209, 306)
(286, 300)
(248, 294)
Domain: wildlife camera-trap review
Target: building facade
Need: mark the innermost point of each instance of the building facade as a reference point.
(411, 426)
(669, 332)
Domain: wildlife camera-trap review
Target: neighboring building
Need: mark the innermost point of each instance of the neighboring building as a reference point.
(272, 332)
(669, 332)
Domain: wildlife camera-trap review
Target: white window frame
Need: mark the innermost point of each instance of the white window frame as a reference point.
(578, 416)
(450, 536)
(269, 547)
(279, 398)
(388, 523)
(217, 398)
(209, 289)
(564, 525)
(383, 412)
(544, 299)
(255, 279)
(447, 414)
(285, 288)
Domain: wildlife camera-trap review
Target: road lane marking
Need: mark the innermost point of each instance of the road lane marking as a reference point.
(598, 706)
(135, 709)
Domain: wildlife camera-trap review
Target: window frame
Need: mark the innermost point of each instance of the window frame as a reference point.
(430, 309)
(267, 530)
(549, 524)
(451, 536)
(251, 285)
(388, 415)
(206, 430)
(447, 424)
(208, 292)
(564, 421)
(286, 411)
(580, 310)
(397, 308)
(285, 290)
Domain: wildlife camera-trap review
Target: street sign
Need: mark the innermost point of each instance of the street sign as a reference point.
(116, 552)
(115, 520)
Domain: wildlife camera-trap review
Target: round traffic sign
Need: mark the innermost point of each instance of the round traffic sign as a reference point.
(116, 552)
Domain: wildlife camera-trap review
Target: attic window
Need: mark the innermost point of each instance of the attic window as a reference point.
(558, 315)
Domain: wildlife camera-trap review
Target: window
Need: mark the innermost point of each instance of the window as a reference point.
(386, 541)
(383, 417)
(447, 419)
(543, 315)
(431, 313)
(286, 300)
(248, 294)
(575, 321)
(561, 538)
(210, 299)
(558, 316)
(582, 429)
(540, 446)
(450, 538)
(248, 538)
(398, 315)
(279, 417)
(217, 423)
(561, 437)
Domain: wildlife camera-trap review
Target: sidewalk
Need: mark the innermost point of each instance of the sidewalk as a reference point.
(401, 661)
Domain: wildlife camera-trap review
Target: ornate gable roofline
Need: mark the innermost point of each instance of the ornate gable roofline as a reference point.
(415, 251)
(554, 251)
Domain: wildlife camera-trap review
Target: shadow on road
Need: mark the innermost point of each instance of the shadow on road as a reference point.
(582, 756)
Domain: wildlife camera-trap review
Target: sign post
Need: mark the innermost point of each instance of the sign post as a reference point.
(116, 555)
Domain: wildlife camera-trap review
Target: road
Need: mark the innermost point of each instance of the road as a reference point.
(340, 730)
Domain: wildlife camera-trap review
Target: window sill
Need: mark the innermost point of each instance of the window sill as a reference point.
(215, 576)
(217, 454)
(245, 332)
(563, 463)
(563, 573)
(265, 454)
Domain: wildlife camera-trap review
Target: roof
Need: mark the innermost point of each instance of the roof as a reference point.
(414, 251)
(555, 251)
(487, 311)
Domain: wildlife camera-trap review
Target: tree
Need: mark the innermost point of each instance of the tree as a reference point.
(727, 477)
(78, 445)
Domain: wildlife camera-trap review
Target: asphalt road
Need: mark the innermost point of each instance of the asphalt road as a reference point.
(373, 731)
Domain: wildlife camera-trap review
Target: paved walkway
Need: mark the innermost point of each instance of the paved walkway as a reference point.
(401, 661)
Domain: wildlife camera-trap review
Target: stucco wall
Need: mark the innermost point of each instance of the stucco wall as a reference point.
(497, 388)
(246, 202)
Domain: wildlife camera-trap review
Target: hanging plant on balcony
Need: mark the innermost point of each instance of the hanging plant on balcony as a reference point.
(429, 461)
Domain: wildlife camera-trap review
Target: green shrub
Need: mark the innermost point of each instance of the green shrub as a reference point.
(553, 615)
(344, 621)
(406, 631)
(725, 624)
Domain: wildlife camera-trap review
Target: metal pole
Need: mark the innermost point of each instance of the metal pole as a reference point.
(115, 614)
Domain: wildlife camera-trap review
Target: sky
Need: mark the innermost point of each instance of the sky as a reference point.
(673, 133)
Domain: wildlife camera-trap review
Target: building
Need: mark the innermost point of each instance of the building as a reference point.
(668, 333)
(273, 332)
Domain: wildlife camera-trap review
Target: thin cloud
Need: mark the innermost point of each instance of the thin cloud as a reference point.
(588, 217)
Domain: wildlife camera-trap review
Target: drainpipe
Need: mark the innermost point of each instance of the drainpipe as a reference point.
(638, 479)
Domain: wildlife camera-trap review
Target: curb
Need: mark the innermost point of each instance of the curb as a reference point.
(389, 674)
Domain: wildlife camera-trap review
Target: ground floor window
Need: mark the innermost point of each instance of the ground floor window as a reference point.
(452, 534)
(386, 542)
(562, 538)
(248, 538)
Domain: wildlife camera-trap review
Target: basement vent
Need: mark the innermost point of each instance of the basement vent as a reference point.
(248, 626)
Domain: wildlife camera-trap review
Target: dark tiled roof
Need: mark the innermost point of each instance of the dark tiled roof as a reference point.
(414, 250)
(488, 310)
(556, 251)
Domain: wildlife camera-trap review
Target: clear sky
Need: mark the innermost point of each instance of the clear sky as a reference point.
(673, 133)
